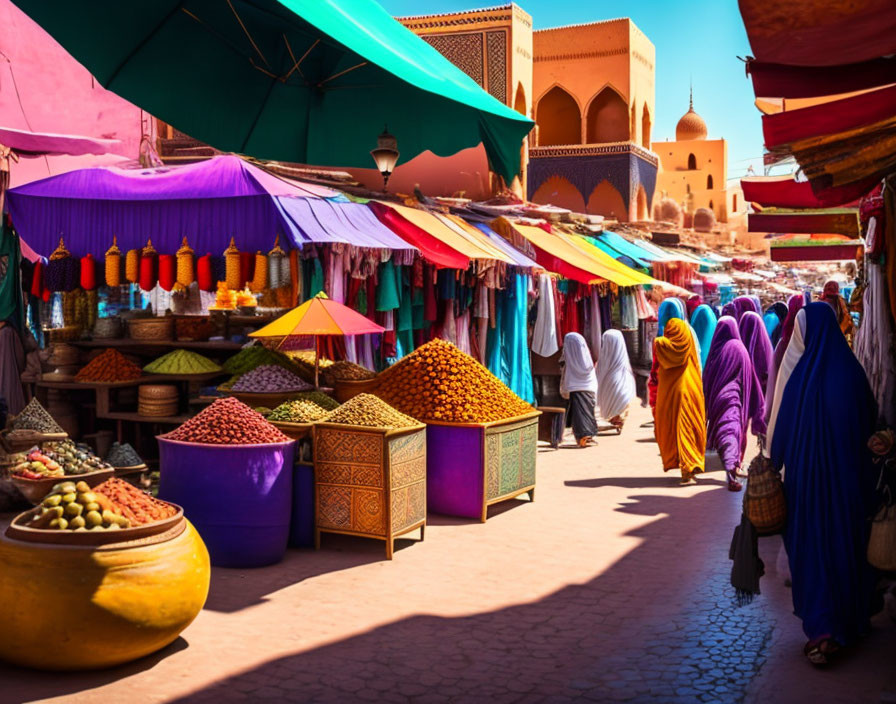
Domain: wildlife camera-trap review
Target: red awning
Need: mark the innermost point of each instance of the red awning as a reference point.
(785, 192)
(838, 222)
(783, 81)
(853, 113)
(431, 249)
(823, 253)
(809, 33)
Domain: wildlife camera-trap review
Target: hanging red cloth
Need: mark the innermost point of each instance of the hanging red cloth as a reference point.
(167, 271)
(247, 267)
(205, 276)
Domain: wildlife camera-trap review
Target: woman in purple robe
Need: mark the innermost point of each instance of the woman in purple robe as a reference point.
(794, 304)
(733, 399)
(742, 304)
(759, 346)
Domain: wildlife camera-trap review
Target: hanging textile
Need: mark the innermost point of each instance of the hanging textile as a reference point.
(628, 309)
(544, 335)
(11, 303)
(515, 334)
(874, 344)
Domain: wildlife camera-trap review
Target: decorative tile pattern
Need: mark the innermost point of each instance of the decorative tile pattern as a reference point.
(334, 507)
(408, 505)
(366, 475)
(464, 50)
(368, 510)
(496, 43)
(349, 446)
(510, 454)
(493, 465)
(329, 473)
(407, 447)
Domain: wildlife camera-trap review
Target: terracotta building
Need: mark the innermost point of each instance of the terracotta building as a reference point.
(693, 169)
(594, 111)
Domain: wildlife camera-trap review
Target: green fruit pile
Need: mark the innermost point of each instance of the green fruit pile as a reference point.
(73, 506)
(74, 459)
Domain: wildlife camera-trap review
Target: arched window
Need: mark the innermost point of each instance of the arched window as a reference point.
(558, 118)
(519, 102)
(645, 127)
(692, 162)
(608, 118)
(710, 205)
(709, 182)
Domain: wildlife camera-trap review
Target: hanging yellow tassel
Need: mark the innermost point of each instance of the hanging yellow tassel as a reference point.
(113, 264)
(232, 266)
(185, 271)
(132, 265)
(260, 277)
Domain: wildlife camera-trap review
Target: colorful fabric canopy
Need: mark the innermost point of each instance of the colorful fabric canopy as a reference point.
(474, 236)
(783, 81)
(324, 221)
(785, 192)
(432, 249)
(554, 257)
(617, 272)
(307, 81)
(837, 221)
(206, 202)
(809, 33)
(319, 316)
(626, 248)
(520, 259)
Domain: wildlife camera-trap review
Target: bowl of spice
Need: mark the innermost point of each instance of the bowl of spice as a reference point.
(229, 456)
(267, 385)
(184, 363)
(109, 367)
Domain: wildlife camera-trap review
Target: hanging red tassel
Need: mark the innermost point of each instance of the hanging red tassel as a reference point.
(148, 274)
(247, 268)
(37, 281)
(167, 271)
(88, 273)
(205, 276)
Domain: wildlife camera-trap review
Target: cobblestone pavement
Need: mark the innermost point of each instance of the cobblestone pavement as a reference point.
(611, 586)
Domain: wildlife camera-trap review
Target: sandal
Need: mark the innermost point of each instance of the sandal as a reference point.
(821, 650)
(585, 441)
(687, 478)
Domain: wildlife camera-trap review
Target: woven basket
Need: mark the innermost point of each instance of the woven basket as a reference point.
(107, 328)
(64, 334)
(151, 328)
(882, 544)
(63, 355)
(157, 408)
(193, 328)
(157, 392)
(764, 502)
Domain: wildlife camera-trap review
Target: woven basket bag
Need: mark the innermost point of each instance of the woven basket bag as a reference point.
(882, 543)
(764, 503)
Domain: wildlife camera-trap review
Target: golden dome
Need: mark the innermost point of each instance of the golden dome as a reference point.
(691, 125)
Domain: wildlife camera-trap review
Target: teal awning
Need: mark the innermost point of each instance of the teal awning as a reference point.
(307, 81)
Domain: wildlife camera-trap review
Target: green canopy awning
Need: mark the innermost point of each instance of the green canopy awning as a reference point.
(308, 81)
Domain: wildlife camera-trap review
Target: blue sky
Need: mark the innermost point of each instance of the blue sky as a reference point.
(698, 40)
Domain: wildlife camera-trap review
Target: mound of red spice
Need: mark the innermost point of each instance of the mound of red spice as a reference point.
(110, 366)
(227, 422)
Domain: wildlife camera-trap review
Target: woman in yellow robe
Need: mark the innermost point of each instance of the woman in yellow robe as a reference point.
(680, 413)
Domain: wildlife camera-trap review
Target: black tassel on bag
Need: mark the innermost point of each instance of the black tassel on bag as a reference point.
(748, 567)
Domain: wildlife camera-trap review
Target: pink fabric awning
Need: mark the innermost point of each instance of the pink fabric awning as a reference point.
(36, 144)
(785, 192)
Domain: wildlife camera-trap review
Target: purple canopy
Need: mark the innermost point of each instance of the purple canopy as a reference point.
(321, 221)
(733, 398)
(758, 344)
(519, 259)
(207, 202)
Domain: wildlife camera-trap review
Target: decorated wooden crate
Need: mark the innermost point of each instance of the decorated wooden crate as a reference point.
(469, 467)
(369, 482)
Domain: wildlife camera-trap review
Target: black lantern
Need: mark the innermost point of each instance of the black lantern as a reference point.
(385, 155)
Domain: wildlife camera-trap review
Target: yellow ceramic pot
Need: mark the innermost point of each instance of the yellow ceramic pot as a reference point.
(73, 608)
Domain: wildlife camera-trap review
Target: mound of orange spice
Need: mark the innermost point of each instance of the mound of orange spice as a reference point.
(109, 366)
(440, 383)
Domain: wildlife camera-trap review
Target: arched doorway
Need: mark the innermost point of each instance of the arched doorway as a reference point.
(519, 102)
(709, 182)
(558, 191)
(642, 207)
(608, 118)
(645, 127)
(607, 201)
(692, 162)
(558, 118)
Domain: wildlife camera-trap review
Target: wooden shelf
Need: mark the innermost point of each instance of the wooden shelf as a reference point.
(137, 418)
(128, 343)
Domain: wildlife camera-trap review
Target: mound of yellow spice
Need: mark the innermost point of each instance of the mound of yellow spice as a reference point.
(440, 383)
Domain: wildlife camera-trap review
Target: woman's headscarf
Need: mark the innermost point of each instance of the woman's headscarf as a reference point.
(691, 305)
(704, 322)
(681, 417)
(726, 329)
(824, 418)
(779, 312)
(729, 309)
(615, 379)
(744, 303)
(733, 399)
(831, 296)
(794, 304)
(792, 356)
(670, 308)
(759, 347)
(578, 371)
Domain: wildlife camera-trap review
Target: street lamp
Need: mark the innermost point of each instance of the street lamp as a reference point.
(385, 155)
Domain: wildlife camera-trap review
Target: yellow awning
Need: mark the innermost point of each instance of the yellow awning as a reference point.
(473, 247)
(576, 252)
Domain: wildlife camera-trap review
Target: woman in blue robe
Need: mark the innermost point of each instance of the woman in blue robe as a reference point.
(826, 415)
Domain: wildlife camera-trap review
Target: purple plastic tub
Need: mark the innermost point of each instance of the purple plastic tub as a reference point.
(239, 497)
